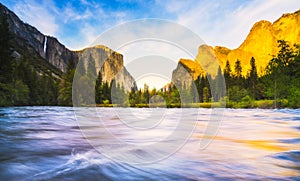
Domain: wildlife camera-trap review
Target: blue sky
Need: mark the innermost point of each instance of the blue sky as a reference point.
(77, 23)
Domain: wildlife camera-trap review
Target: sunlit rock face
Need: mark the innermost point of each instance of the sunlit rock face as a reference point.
(288, 27)
(207, 59)
(261, 43)
(108, 62)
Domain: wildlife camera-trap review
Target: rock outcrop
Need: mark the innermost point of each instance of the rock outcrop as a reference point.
(57, 54)
(185, 72)
(109, 63)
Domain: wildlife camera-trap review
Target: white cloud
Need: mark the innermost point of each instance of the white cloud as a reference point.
(51, 20)
(89, 31)
(84, 2)
(225, 23)
(70, 14)
(89, 34)
(173, 6)
(228, 24)
(38, 14)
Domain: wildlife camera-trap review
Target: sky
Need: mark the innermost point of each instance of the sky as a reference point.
(78, 23)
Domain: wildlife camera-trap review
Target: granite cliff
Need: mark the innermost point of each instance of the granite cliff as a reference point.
(186, 71)
(49, 51)
(109, 63)
(261, 43)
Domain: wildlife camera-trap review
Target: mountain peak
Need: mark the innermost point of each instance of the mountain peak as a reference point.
(102, 47)
(261, 43)
(288, 15)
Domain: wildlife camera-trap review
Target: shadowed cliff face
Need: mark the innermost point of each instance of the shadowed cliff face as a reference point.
(261, 43)
(29, 40)
(185, 72)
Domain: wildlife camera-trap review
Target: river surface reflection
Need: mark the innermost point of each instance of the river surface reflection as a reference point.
(46, 143)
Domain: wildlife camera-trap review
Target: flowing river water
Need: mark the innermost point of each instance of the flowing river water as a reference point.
(49, 143)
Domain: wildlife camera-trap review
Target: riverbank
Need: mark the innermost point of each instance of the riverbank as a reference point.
(260, 104)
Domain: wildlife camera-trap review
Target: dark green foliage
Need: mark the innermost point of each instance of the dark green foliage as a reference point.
(252, 80)
(218, 88)
(118, 95)
(106, 92)
(238, 69)
(99, 89)
(203, 87)
(236, 93)
(282, 79)
(49, 90)
(227, 74)
(146, 94)
(238, 79)
(23, 81)
(65, 86)
(16, 93)
(28, 87)
(6, 60)
(132, 97)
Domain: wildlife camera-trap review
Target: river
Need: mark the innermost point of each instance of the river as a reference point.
(51, 143)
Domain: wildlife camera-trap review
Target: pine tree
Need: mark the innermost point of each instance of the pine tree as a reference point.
(99, 89)
(238, 79)
(253, 78)
(238, 69)
(227, 74)
(66, 84)
(146, 94)
(106, 92)
(194, 93)
(219, 86)
(205, 94)
(227, 70)
(132, 96)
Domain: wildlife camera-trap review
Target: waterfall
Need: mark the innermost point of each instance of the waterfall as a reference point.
(45, 44)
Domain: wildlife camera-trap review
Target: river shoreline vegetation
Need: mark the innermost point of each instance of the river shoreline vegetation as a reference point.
(23, 82)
